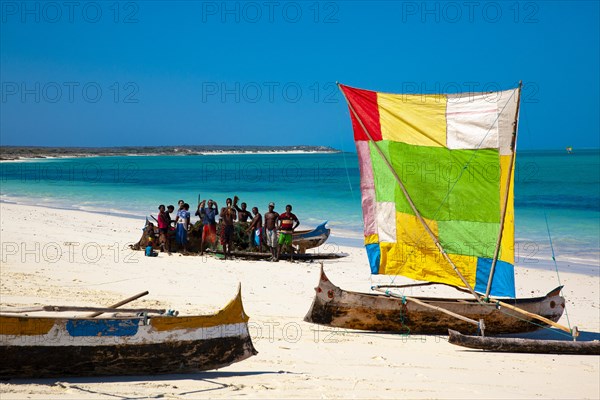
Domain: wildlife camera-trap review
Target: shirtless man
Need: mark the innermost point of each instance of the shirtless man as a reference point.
(271, 230)
(243, 216)
(243, 213)
(227, 215)
(255, 229)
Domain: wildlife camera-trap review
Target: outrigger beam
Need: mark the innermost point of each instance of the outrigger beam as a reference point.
(100, 310)
(574, 332)
(479, 324)
(119, 304)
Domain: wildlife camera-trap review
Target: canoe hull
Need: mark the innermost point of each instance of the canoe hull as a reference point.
(37, 347)
(335, 307)
(304, 240)
(518, 345)
(142, 359)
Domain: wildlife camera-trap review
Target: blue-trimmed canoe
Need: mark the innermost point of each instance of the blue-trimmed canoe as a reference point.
(36, 347)
(308, 239)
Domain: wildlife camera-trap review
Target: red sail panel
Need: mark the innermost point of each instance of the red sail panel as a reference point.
(365, 104)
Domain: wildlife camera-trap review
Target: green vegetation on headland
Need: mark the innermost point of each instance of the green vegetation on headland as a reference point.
(20, 152)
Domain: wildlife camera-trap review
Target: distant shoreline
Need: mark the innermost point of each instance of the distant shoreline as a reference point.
(29, 153)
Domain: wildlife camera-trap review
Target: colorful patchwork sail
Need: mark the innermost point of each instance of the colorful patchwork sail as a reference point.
(436, 181)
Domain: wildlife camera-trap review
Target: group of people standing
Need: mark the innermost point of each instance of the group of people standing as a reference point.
(276, 232)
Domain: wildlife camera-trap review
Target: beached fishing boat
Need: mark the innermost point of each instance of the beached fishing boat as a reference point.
(519, 345)
(307, 239)
(336, 307)
(146, 344)
(302, 240)
(437, 175)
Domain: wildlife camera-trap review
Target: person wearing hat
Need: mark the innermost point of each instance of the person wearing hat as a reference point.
(271, 230)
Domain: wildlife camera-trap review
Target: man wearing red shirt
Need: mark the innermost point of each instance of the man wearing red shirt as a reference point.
(287, 223)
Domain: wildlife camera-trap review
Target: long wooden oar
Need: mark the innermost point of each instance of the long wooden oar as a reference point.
(573, 332)
(479, 324)
(119, 304)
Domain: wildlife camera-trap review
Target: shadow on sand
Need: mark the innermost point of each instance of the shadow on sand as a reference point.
(209, 377)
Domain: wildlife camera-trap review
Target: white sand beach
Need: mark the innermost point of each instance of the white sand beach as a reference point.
(62, 257)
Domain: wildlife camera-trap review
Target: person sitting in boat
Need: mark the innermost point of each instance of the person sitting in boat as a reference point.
(208, 215)
(270, 230)
(288, 222)
(227, 215)
(183, 224)
(255, 230)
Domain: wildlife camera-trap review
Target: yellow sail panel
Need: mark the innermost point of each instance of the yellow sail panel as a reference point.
(426, 264)
(413, 119)
(507, 245)
(415, 255)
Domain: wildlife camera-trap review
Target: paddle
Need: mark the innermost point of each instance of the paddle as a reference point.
(119, 304)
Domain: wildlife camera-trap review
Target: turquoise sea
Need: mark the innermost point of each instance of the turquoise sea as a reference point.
(562, 188)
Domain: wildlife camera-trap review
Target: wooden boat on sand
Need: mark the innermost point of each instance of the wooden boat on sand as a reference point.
(432, 214)
(336, 307)
(308, 239)
(255, 255)
(38, 346)
(519, 345)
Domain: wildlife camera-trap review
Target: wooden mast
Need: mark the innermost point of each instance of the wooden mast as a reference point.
(410, 202)
(513, 148)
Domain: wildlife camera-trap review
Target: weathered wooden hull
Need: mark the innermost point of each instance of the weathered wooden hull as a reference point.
(335, 307)
(143, 359)
(284, 256)
(304, 240)
(518, 345)
(36, 347)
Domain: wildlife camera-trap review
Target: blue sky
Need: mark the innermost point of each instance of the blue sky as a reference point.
(168, 73)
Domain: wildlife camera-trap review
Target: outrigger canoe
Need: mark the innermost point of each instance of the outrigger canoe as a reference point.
(308, 239)
(35, 347)
(336, 307)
